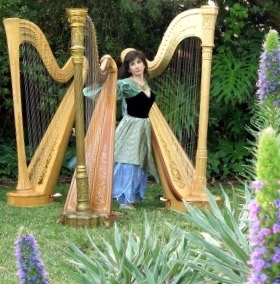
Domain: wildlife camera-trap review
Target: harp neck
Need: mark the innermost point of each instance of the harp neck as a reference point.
(191, 23)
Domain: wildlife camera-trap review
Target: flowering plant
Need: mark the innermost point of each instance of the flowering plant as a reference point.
(269, 71)
(30, 267)
(264, 212)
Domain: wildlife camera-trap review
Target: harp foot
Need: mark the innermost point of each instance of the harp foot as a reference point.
(85, 220)
(27, 198)
(200, 201)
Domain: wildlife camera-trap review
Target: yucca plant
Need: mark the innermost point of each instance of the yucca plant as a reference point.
(222, 247)
(144, 258)
(218, 254)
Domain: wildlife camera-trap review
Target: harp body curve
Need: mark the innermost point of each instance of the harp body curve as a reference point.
(198, 22)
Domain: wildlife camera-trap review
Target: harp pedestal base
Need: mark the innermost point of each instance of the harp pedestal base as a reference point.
(200, 201)
(85, 219)
(27, 198)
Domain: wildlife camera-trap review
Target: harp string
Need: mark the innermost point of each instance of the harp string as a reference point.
(178, 90)
(95, 76)
(42, 95)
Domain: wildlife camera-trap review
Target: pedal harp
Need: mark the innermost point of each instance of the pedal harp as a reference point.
(180, 76)
(100, 100)
(43, 97)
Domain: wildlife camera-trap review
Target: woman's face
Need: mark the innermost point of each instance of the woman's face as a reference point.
(136, 67)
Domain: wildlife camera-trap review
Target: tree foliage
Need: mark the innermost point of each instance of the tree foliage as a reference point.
(239, 35)
(240, 29)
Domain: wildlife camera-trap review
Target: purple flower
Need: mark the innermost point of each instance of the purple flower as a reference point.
(263, 278)
(257, 184)
(264, 213)
(268, 84)
(276, 228)
(276, 281)
(254, 209)
(277, 203)
(265, 232)
(258, 252)
(30, 267)
(259, 264)
(276, 258)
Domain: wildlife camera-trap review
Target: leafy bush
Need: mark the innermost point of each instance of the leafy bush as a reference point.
(222, 247)
(9, 164)
(8, 161)
(233, 78)
(219, 254)
(135, 259)
(231, 102)
(226, 160)
(233, 87)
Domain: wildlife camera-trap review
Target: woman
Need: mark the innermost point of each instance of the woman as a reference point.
(133, 151)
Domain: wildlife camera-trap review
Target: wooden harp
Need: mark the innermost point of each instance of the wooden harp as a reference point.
(180, 76)
(101, 83)
(37, 175)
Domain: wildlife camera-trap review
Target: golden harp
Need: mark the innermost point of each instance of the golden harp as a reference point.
(37, 179)
(182, 69)
(100, 99)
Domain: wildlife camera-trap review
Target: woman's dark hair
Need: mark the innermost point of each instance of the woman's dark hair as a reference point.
(129, 57)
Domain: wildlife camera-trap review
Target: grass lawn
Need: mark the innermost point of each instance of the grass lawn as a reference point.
(42, 223)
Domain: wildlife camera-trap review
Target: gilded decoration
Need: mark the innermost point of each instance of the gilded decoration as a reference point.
(101, 181)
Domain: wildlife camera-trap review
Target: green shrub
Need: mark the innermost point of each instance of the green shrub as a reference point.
(132, 258)
(219, 254)
(222, 247)
(8, 161)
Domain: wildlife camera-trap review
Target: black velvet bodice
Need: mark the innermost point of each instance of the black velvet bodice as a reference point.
(140, 105)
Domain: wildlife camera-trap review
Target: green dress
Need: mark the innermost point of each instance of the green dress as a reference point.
(133, 150)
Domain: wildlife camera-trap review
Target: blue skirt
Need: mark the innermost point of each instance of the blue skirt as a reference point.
(130, 183)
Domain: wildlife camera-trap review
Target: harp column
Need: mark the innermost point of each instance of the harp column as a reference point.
(209, 16)
(12, 27)
(77, 18)
(201, 155)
